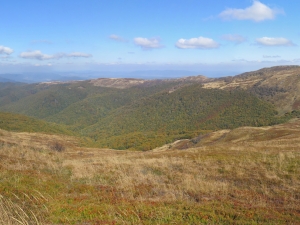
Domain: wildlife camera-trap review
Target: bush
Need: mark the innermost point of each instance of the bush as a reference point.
(56, 146)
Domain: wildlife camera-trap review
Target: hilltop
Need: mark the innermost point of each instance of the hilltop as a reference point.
(279, 85)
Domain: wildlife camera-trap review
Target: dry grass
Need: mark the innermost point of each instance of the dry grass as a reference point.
(24, 151)
(205, 173)
(12, 213)
(248, 175)
(285, 78)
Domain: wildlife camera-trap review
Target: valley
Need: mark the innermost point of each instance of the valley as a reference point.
(192, 150)
(144, 114)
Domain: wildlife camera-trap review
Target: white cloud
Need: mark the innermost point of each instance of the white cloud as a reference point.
(36, 55)
(41, 65)
(6, 50)
(271, 56)
(117, 38)
(78, 54)
(41, 56)
(237, 39)
(200, 42)
(148, 43)
(257, 12)
(269, 41)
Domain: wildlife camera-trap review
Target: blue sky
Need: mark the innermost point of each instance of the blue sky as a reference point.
(208, 37)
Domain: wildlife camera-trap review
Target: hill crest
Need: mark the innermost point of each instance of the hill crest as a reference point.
(279, 85)
(123, 83)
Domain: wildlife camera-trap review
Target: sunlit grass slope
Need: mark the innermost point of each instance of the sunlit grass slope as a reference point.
(240, 176)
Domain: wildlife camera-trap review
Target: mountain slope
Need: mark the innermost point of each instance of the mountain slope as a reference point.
(166, 116)
(21, 123)
(95, 107)
(142, 114)
(279, 85)
(46, 99)
(238, 179)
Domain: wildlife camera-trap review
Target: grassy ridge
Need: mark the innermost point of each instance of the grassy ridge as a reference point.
(235, 181)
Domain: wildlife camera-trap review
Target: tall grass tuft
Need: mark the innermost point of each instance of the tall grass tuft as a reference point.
(12, 213)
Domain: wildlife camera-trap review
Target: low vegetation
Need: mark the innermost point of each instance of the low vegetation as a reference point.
(227, 177)
(215, 151)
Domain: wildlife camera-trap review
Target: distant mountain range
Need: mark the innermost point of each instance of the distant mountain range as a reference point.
(86, 75)
(36, 77)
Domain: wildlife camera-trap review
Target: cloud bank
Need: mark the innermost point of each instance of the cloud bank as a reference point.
(257, 12)
(270, 41)
(41, 56)
(200, 43)
(271, 56)
(77, 54)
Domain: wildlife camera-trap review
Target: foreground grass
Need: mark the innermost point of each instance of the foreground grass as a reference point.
(233, 181)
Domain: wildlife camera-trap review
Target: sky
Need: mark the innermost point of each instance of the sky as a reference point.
(213, 38)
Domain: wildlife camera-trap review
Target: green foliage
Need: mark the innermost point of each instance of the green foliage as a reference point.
(42, 100)
(141, 117)
(290, 115)
(21, 123)
(165, 117)
(71, 103)
(97, 106)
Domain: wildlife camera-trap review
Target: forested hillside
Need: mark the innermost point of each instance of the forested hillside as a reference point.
(143, 114)
(21, 123)
(279, 85)
(165, 117)
(97, 106)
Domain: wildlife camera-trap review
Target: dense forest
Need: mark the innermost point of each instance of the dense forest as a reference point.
(21, 123)
(165, 117)
(141, 117)
(151, 113)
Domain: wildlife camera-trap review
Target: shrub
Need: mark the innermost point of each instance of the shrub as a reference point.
(59, 147)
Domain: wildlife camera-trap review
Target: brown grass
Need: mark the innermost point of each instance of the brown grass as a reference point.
(285, 78)
(13, 213)
(246, 170)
